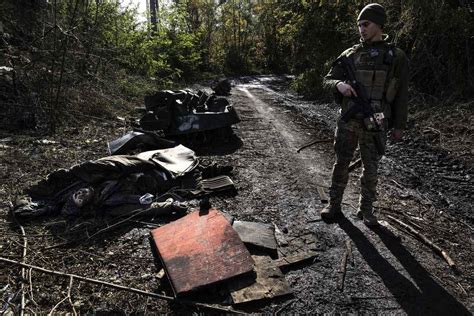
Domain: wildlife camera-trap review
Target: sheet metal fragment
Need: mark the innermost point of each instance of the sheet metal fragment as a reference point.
(260, 235)
(199, 250)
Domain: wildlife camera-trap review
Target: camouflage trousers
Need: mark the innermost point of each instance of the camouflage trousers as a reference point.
(347, 137)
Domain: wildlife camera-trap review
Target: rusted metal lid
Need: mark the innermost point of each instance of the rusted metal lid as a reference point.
(199, 250)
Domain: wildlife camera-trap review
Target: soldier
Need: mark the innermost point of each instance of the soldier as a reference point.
(383, 71)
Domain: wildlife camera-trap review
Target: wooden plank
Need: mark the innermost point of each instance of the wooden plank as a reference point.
(291, 260)
(269, 283)
(199, 250)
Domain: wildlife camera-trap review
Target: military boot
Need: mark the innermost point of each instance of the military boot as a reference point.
(367, 214)
(331, 211)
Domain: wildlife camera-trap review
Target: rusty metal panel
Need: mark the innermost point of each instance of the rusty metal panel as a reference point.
(199, 250)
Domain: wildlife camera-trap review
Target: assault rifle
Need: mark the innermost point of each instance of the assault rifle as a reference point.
(372, 120)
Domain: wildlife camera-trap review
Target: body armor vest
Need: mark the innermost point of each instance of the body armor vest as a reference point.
(373, 71)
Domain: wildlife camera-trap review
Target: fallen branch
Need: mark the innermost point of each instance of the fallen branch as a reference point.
(424, 239)
(31, 287)
(314, 143)
(121, 287)
(56, 306)
(23, 271)
(343, 271)
(69, 296)
(349, 252)
(462, 289)
(23, 257)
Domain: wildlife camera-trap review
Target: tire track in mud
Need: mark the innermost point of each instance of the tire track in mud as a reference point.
(275, 184)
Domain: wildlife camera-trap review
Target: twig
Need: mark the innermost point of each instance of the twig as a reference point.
(462, 289)
(23, 271)
(343, 271)
(23, 257)
(121, 287)
(356, 164)
(398, 185)
(467, 225)
(69, 296)
(349, 252)
(134, 214)
(31, 286)
(454, 179)
(285, 306)
(431, 129)
(424, 239)
(314, 143)
(56, 306)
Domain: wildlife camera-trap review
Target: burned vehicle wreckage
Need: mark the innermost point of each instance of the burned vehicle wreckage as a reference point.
(184, 112)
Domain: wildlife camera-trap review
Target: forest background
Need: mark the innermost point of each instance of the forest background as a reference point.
(69, 60)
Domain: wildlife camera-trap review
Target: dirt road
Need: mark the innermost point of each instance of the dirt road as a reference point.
(390, 272)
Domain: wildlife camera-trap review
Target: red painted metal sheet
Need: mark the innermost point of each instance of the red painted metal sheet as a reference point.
(199, 250)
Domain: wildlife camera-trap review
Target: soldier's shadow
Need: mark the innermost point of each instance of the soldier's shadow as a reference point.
(426, 297)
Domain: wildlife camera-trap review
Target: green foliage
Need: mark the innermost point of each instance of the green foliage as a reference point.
(310, 83)
(55, 46)
(437, 35)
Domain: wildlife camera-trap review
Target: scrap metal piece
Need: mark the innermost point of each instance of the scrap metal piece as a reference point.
(160, 119)
(183, 112)
(202, 121)
(216, 184)
(199, 250)
(260, 235)
(270, 283)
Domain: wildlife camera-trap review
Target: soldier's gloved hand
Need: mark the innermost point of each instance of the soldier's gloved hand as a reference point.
(397, 135)
(345, 89)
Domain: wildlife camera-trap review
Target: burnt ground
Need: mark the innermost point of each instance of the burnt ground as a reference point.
(427, 186)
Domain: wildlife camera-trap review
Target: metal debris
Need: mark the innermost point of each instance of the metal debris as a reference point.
(199, 250)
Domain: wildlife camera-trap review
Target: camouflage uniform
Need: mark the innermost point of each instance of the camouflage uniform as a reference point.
(383, 70)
